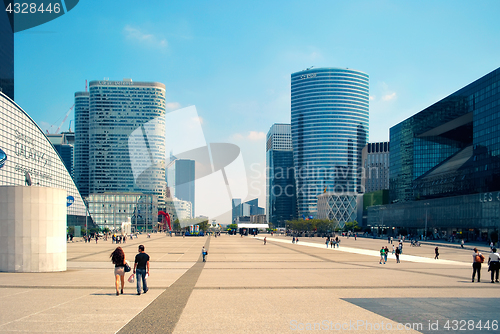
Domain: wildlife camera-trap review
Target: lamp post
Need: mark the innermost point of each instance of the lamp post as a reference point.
(425, 231)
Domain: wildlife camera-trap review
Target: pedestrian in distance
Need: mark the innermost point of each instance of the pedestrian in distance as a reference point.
(386, 253)
(331, 243)
(141, 270)
(118, 259)
(436, 252)
(477, 259)
(382, 255)
(392, 249)
(327, 242)
(397, 255)
(293, 240)
(265, 240)
(204, 253)
(400, 248)
(297, 240)
(494, 264)
(462, 243)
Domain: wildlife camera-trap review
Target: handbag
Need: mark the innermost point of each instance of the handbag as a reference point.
(131, 278)
(127, 267)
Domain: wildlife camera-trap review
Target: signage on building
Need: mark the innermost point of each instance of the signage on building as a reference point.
(70, 200)
(3, 158)
(489, 197)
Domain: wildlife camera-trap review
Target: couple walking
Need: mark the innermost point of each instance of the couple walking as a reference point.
(141, 269)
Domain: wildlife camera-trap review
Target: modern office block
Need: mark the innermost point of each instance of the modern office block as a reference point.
(445, 166)
(281, 197)
(246, 209)
(180, 176)
(126, 137)
(6, 55)
(329, 130)
(82, 153)
(64, 145)
(375, 176)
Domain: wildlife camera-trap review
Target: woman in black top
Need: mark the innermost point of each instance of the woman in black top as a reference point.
(118, 259)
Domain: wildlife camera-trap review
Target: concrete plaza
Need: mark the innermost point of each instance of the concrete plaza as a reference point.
(248, 287)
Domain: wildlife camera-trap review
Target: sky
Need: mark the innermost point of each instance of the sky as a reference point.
(233, 60)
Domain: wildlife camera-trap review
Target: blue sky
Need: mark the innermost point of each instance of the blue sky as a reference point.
(233, 60)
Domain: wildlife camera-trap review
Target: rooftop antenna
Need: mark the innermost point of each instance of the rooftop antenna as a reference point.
(85, 85)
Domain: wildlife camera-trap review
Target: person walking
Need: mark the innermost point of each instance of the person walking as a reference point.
(462, 243)
(141, 269)
(118, 259)
(400, 248)
(327, 242)
(436, 251)
(265, 240)
(293, 240)
(204, 253)
(397, 255)
(386, 253)
(477, 259)
(382, 255)
(392, 249)
(494, 264)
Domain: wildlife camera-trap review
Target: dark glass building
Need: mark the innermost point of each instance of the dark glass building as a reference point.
(445, 167)
(6, 55)
(280, 188)
(180, 177)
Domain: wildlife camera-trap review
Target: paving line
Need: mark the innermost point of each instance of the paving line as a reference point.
(163, 313)
(402, 257)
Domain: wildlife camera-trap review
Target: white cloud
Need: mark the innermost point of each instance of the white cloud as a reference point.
(143, 37)
(173, 105)
(254, 135)
(197, 120)
(371, 97)
(389, 97)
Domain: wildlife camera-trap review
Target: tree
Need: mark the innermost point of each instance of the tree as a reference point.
(176, 225)
(203, 225)
(352, 226)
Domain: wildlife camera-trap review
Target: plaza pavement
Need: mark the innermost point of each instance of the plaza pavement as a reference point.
(248, 287)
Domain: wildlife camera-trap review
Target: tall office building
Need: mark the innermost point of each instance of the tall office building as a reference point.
(126, 137)
(64, 145)
(281, 198)
(180, 176)
(6, 55)
(376, 167)
(329, 130)
(81, 168)
(445, 167)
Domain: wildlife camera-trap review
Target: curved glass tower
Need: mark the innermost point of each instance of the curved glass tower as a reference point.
(329, 130)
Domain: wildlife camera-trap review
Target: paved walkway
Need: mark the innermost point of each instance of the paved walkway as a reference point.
(248, 287)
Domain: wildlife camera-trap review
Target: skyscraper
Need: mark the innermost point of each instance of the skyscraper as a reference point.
(281, 198)
(81, 168)
(180, 176)
(126, 137)
(6, 55)
(329, 129)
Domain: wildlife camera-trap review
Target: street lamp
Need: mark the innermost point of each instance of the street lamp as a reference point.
(425, 231)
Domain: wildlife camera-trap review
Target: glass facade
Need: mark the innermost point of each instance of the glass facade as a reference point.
(180, 177)
(27, 156)
(445, 166)
(126, 137)
(111, 210)
(330, 115)
(6, 55)
(450, 148)
(472, 217)
(81, 174)
(375, 166)
(340, 208)
(281, 197)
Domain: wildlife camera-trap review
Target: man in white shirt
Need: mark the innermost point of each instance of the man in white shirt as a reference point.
(494, 263)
